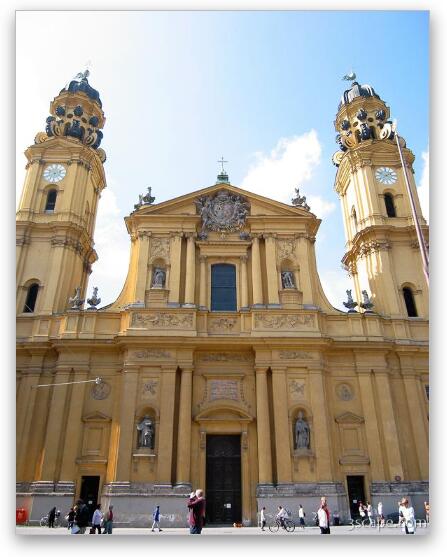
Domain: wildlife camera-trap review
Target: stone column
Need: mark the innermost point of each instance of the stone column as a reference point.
(184, 429)
(126, 424)
(371, 425)
(174, 275)
(256, 272)
(272, 273)
(263, 428)
(281, 421)
(321, 431)
(190, 282)
(417, 414)
(54, 426)
(203, 283)
(244, 283)
(142, 269)
(74, 427)
(390, 433)
(26, 401)
(166, 428)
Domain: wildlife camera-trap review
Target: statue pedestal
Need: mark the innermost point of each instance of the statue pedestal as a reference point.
(303, 454)
(157, 298)
(290, 298)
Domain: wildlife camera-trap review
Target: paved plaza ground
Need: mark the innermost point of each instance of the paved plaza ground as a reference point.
(230, 531)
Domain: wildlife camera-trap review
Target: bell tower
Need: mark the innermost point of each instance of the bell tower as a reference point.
(57, 211)
(382, 253)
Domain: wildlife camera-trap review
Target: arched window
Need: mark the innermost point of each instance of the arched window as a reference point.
(389, 205)
(223, 287)
(409, 302)
(31, 298)
(51, 200)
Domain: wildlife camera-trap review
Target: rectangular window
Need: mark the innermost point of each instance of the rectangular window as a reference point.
(223, 287)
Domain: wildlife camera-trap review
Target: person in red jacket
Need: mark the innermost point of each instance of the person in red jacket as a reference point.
(196, 516)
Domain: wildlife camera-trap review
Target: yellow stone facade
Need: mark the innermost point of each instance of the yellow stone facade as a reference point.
(359, 379)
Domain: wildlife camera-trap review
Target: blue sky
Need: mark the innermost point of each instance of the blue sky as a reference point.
(180, 89)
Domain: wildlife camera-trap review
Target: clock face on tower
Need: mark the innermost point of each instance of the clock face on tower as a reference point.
(54, 173)
(386, 175)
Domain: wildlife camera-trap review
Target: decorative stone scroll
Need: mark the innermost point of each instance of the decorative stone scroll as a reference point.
(159, 248)
(150, 388)
(289, 321)
(294, 355)
(162, 320)
(224, 357)
(296, 389)
(285, 249)
(100, 391)
(151, 354)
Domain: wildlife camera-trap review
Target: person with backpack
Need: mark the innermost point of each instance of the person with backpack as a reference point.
(196, 516)
(82, 516)
(156, 519)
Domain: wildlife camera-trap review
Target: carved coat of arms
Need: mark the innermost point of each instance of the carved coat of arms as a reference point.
(224, 212)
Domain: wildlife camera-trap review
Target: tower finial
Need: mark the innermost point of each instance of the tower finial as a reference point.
(222, 178)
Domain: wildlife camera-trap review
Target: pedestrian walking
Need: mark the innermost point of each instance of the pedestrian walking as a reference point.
(362, 511)
(96, 520)
(70, 518)
(108, 521)
(301, 515)
(380, 516)
(408, 521)
(156, 519)
(427, 511)
(324, 517)
(369, 512)
(196, 516)
(263, 521)
(82, 517)
(51, 517)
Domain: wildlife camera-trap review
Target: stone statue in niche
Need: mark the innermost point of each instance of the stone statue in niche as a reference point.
(287, 279)
(158, 278)
(302, 433)
(147, 432)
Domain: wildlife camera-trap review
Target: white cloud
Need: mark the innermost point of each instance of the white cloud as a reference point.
(424, 185)
(319, 206)
(288, 165)
(112, 244)
(335, 284)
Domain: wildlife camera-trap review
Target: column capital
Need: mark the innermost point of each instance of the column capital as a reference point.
(243, 258)
(255, 237)
(203, 258)
(261, 369)
(189, 236)
(176, 235)
(269, 236)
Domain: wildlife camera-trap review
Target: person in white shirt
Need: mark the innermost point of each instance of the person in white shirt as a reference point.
(380, 513)
(281, 515)
(323, 518)
(263, 521)
(96, 519)
(301, 515)
(369, 511)
(408, 521)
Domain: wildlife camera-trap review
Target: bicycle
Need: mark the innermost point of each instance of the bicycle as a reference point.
(289, 525)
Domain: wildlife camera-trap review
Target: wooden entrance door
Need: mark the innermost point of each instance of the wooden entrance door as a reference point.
(223, 479)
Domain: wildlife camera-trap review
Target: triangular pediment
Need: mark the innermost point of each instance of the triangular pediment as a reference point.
(259, 205)
(95, 417)
(349, 418)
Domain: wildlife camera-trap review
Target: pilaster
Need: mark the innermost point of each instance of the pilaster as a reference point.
(281, 421)
(256, 272)
(166, 429)
(183, 475)
(263, 428)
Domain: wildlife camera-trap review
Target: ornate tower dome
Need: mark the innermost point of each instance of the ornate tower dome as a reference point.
(76, 113)
(362, 115)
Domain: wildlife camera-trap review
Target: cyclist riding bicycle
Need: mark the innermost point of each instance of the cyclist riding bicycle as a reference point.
(281, 515)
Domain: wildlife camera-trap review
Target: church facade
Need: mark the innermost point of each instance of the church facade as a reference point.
(221, 365)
